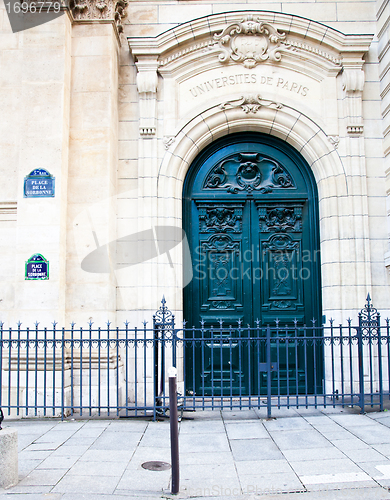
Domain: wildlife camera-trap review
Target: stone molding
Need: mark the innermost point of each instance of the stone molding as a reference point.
(387, 261)
(147, 81)
(334, 140)
(250, 103)
(8, 210)
(302, 133)
(298, 46)
(353, 84)
(89, 10)
(319, 46)
(168, 140)
(305, 136)
(251, 39)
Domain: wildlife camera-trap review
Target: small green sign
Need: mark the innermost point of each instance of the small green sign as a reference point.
(37, 268)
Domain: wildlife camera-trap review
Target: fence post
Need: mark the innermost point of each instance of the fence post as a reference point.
(361, 370)
(163, 322)
(174, 342)
(380, 364)
(155, 367)
(369, 326)
(174, 428)
(1, 369)
(269, 371)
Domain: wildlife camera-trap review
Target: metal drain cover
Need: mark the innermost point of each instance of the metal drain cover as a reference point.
(156, 465)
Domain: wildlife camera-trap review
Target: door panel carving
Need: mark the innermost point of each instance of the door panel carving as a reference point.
(250, 213)
(248, 172)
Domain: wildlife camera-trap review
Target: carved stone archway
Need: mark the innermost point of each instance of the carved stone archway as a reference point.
(272, 73)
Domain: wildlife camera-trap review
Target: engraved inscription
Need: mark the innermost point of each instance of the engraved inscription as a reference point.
(213, 84)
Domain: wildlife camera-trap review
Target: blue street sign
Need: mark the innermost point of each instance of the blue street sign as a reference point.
(39, 184)
(37, 268)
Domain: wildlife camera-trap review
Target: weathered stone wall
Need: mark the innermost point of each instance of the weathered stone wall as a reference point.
(93, 163)
(34, 101)
(346, 107)
(383, 27)
(119, 145)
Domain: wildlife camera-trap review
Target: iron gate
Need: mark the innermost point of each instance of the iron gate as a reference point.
(123, 371)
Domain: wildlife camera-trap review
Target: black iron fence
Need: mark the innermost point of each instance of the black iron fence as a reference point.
(123, 371)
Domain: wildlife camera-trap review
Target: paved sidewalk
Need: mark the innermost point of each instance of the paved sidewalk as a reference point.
(309, 454)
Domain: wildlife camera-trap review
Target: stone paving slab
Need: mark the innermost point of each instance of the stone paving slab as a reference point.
(309, 454)
(275, 481)
(246, 430)
(212, 471)
(107, 455)
(262, 466)
(101, 468)
(193, 427)
(255, 449)
(144, 480)
(43, 477)
(193, 458)
(369, 455)
(302, 439)
(288, 424)
(116, 441)
(57, 462)
(329, 466)
(86, 484)
(204, 442)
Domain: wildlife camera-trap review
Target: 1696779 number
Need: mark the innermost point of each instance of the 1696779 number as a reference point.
(25, 7)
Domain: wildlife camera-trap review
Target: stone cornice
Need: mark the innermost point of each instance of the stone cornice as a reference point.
(99, 10)
(280, 34)
(252, 40)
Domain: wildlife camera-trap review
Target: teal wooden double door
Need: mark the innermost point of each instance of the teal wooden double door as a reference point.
(250, 211)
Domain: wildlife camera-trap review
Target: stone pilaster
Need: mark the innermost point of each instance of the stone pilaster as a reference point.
(147, 83)
(355, 252)
(93, 162)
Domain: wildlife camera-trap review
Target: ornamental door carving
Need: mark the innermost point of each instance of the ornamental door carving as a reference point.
(251, 216)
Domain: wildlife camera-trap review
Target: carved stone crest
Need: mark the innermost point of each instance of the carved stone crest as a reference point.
(250, 42)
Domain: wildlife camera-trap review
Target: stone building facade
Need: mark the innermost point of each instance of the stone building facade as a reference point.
(118, 101)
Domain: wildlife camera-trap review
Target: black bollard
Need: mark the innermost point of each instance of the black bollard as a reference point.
(174, 426)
